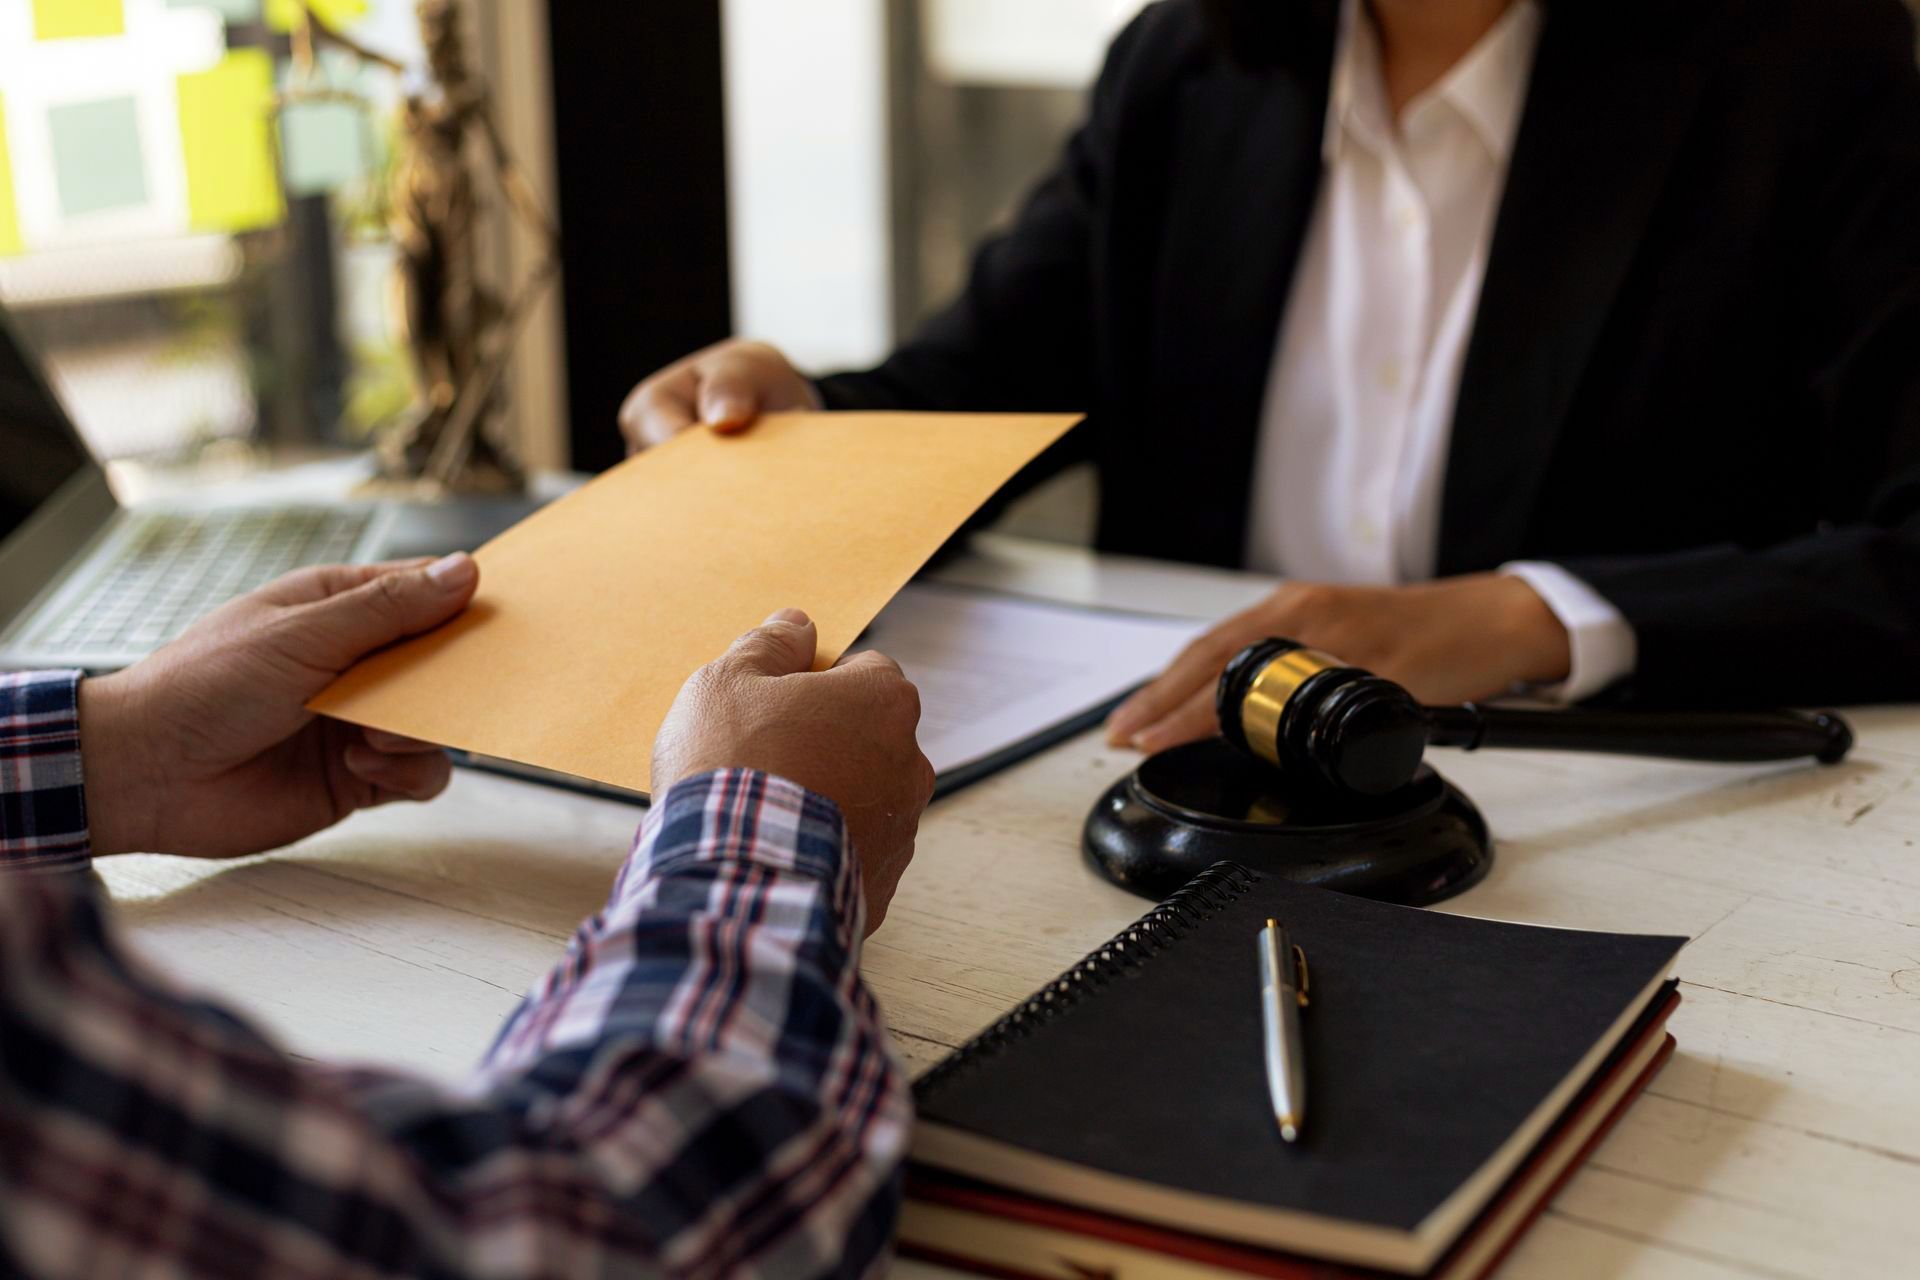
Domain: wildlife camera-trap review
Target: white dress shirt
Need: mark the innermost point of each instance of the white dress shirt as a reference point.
(1359, 409)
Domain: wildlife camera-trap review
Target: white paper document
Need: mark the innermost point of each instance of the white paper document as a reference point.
(996, 672)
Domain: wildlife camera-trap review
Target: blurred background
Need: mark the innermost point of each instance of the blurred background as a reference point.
(202, 258)
(199, 270)
(193, 235)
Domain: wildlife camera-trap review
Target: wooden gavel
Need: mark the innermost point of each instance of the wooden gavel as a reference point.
(1318, 718)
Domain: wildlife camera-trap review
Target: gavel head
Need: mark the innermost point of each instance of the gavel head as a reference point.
(1320, 721)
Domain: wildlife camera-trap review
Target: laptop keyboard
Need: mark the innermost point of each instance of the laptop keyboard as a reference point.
(177, 566)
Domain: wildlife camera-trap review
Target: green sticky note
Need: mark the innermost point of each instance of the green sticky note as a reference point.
(224, 126)
(97, 162)
(10, 241)
(66, 19)
(231, 10)
(322, 146)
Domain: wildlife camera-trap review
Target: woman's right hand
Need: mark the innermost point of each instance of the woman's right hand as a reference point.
(727, 386)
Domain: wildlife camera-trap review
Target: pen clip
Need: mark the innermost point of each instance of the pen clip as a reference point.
(1300, 965)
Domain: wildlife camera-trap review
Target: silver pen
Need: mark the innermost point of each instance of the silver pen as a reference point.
(1282, 996)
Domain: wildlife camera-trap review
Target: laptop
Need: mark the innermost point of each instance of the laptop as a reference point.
(85, 582)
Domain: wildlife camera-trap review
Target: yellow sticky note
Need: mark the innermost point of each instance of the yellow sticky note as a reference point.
(593, 611)
(335, 13)
(67, 19)
(225, 116)
(10, 241)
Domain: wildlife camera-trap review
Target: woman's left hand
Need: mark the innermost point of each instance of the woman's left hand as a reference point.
(1452, 640)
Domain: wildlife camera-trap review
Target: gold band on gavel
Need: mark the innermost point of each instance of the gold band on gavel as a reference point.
(1267, 697)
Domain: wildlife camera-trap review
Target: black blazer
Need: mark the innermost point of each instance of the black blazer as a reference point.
(1694, 377)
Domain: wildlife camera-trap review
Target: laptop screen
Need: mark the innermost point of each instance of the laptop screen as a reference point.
(36, 439)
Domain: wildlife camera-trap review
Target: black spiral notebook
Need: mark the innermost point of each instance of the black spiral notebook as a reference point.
(1440, 1049)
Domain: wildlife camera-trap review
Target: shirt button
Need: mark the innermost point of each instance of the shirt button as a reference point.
(1389, 375)
(1406, 217)
(1366, 532)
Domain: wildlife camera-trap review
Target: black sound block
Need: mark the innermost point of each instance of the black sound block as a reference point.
(1186, 809)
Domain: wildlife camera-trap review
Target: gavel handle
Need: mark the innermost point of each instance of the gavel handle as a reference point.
(1676, 735)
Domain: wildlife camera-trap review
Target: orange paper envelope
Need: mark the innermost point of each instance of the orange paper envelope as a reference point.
(593, 611)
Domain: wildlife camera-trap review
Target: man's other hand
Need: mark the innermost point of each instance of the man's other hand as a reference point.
(727, 386)
(847, 733)
(1447, 641)
(206, 747)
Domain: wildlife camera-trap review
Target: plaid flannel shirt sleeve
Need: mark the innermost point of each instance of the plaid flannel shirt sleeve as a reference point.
(43, 811)
(702, 1086)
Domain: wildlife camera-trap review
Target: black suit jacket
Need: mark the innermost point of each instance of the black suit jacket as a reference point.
(1694, 376)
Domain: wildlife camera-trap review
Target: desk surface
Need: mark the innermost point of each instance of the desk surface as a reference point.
(1782, 1140)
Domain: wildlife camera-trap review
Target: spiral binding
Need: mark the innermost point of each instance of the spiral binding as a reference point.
(1203, 896)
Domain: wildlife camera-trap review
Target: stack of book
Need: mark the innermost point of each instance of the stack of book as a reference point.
(1119, 1122)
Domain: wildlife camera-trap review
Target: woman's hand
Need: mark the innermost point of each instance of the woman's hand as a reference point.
(1448, 641)
(727, 385)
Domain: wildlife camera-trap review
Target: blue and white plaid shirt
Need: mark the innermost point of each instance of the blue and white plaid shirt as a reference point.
(700, 1087)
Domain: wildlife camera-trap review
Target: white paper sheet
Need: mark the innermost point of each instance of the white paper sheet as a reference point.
(994, 671)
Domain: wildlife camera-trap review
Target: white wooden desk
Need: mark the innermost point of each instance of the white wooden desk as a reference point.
(1782, 1140)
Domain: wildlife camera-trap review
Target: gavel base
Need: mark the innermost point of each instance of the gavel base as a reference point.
(1186, 809)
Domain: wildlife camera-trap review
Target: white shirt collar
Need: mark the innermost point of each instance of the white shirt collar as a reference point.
(1487, 87)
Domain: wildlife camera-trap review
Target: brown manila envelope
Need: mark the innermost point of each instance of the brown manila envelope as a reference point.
(593, 611)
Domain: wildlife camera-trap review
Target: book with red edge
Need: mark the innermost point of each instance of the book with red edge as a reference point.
(1458, 1070)
(974, 1227)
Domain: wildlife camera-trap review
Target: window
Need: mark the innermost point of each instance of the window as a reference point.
(196, 253)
